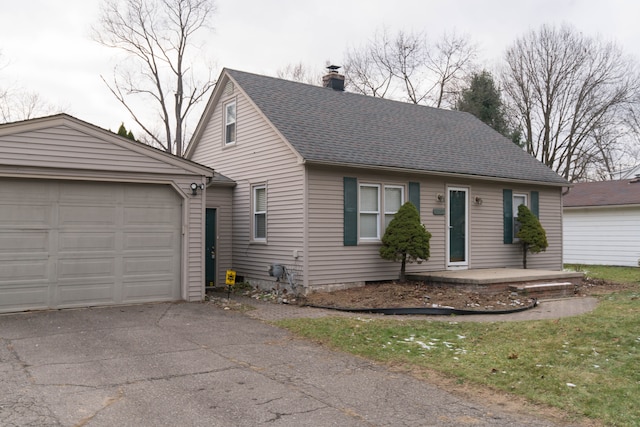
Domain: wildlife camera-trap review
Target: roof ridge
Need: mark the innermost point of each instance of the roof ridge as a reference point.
(347, 93)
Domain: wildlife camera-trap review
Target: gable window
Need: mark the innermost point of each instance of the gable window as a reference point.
(259, 212)
(230, 123)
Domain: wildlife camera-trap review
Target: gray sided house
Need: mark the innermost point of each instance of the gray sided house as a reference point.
(319, 172)
(90, 218)
(601, 223)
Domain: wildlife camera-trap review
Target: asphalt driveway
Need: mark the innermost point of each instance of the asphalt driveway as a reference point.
(192, 364)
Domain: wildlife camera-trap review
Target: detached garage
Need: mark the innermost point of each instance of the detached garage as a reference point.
(601, 223)
(90, 218)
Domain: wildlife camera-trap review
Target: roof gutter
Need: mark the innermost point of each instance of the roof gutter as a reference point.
(433, 173)
(628, 205)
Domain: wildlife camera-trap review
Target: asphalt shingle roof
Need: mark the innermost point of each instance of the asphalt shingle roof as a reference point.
(329, 126)
(603, 193)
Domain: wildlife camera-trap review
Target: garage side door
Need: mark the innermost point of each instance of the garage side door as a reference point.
(70, 244)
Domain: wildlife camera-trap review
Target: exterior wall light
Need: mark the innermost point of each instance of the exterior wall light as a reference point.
(194, 188)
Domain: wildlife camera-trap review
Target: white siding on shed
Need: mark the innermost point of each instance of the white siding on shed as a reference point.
(602, 236)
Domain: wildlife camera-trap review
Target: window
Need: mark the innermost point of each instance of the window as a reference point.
(360, 223)
(510, 203)
(518, 199)
(230, 123)
(369, 211)
(259, 213)
(393, 199)
(371, 227)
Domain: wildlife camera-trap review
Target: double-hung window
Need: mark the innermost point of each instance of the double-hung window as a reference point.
(510, 203)
(370, 207)
(393, 199)
(259, 212)
(369, 212)
(376, 212)
(230, 123)
(518, 199)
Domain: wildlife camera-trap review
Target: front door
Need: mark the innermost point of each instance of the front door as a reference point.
(458, 226)
(210, 248)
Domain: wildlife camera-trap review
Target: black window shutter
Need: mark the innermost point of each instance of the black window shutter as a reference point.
(507, 215)
(535, 203)
(414, 194)
(350, 211)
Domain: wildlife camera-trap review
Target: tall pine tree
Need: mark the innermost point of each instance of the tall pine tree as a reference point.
(482, 99)
(122, 131)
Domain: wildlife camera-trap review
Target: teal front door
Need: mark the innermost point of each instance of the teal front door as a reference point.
(457, 223)
(210, 248)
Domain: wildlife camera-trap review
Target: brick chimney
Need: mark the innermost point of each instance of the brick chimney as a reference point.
(333, 79)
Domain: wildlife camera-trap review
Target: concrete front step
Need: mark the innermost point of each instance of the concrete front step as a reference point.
(545, 290)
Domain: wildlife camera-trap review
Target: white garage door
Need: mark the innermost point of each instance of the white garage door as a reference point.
(70, 244)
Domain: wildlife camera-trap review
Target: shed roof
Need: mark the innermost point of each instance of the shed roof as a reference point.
(603, 193)
(335, 127)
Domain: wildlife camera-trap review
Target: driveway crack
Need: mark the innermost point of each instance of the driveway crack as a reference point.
(12, 351)
(107, 403)
(162, 315)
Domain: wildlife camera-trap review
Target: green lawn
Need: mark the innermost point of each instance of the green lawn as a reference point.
(609, 273)
(587, 365)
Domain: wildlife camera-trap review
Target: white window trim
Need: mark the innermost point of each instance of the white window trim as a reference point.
(227, 122)
(402, 201)
(382, 211)
(515, 212)
(457, 265)
(255, 212)
(376, 212)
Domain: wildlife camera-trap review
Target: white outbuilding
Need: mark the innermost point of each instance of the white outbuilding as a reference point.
(601, 223)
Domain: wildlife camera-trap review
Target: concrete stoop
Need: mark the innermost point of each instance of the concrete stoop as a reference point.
(545, 290)
(540, 284)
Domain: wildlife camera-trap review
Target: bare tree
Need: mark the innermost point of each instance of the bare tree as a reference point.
(572, 94)
(299, 73)
(157, 36)
(408, 67)
(19, 104)
(631, 153)
(366, 70)
(615, 149)
(451, 61)
(404, 56)
(4, 97)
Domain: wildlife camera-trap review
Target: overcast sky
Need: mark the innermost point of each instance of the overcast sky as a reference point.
(47, 49)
